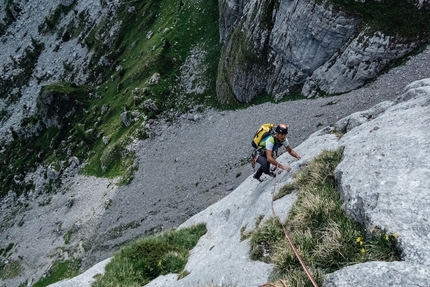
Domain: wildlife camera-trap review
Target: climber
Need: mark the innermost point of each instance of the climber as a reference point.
(268, 145)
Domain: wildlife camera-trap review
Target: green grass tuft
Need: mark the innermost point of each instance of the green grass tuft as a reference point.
(147, 258)
(286, 189)
(60, 270)
(10, 270)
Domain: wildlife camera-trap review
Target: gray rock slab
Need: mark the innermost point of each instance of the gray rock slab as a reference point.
(386, 164)
(373, 274)
(86, 278)
(384, 180)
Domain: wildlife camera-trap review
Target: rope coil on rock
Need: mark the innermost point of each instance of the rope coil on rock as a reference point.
(289, 241)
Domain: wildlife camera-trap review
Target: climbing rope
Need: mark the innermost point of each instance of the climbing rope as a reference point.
(289, 241)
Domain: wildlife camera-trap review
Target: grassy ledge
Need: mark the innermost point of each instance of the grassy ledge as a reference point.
(325, 237)
(147, 258)
(60, 270)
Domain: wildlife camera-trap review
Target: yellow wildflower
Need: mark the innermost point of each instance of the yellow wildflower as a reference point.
(361, 243)
(386, 237)
(358, 239)
(395, 235)
(362, 250)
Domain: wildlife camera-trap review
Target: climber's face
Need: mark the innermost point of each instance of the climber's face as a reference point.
(280, 137)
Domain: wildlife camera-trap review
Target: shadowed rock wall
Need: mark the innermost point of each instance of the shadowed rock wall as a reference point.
(279, 46)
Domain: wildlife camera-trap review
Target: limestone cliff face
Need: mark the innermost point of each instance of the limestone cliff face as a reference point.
(276, 46)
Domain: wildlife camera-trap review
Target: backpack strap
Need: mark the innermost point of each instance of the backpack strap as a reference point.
(277, 145)
(262, 149)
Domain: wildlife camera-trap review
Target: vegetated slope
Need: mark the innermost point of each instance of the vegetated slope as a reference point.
(146, 60)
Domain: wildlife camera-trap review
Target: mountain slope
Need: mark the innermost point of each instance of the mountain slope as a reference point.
(49, 212)
(393, 135)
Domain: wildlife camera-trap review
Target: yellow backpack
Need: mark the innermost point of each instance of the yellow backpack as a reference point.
(262, 132)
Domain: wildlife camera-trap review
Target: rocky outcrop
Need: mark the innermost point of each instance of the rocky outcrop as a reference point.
(229, 12)
(280, 47)
(362, 59)
(27, 39)
(383, 179)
